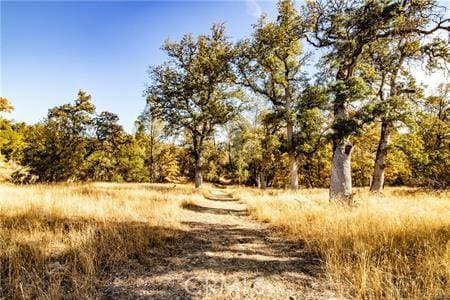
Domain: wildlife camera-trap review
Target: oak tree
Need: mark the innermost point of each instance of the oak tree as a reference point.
(346, 29)
(193, 90)
(270, 64)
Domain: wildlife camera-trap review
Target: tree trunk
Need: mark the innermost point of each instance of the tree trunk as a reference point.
(293, 168)
(230, 158)
(385, 134)
(198, 170)
(150, 161)
(258, 180)
(263, 180)
(341, 171)
(341, 175)
(293, 171)
(380, 159)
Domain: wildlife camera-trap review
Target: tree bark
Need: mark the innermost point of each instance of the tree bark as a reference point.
(293, 171)
(341, 175)
(381, 157)
(293, 168)
(151, 163)
(198, 171)
(341, 171)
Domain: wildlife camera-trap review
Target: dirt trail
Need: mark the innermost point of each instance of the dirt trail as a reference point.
(225, 255)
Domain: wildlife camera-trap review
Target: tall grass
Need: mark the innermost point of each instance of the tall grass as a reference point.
(62, 241)
(58, 241)
(387, 247)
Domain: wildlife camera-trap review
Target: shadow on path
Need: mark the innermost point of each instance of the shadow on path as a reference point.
(218, 211)
(222, 248)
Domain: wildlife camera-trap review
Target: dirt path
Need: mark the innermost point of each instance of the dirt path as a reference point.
(225, 255)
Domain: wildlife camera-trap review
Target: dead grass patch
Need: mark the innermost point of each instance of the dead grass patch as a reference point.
(57, 241)
(389, 246)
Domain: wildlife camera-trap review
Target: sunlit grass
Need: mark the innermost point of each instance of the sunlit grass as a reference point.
(57, 241)
(60, 241)
(391, 246)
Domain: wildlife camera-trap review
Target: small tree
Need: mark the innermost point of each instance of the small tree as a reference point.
(193, 90)
(104, 149)
(150, 135)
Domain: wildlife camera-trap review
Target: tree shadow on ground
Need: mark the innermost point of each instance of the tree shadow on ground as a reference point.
(217, 211)
(31, 265)
(205, 249)
(220, 198)
(135, 260)
(225, 249)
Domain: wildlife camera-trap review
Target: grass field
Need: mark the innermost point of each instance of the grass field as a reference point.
(60, 241)
(387, 247)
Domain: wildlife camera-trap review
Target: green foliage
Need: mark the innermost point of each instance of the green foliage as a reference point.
(75, 144)
(434, 132)
(57, 148)
(131, 161)
(364, 155)
(270, 63)
(11, 134)
(401, 158)
(22, 175)
(350, 90)
(315, 168)
(190, 91)
(167, 168)
(193, 91)
(12, 139)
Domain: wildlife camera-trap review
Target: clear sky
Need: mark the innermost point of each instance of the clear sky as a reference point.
(50, 50)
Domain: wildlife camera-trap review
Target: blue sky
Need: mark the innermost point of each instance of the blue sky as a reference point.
(50, 50)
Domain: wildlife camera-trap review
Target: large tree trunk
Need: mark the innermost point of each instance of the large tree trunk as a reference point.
(198, 172)
(293, 171)
(341, 171)
(380, 159)
(341, 174)
(197, 153)
(293, 168)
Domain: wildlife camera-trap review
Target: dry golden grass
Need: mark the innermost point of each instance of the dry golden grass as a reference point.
(57, 241)
(61, 241)
(387, 247)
